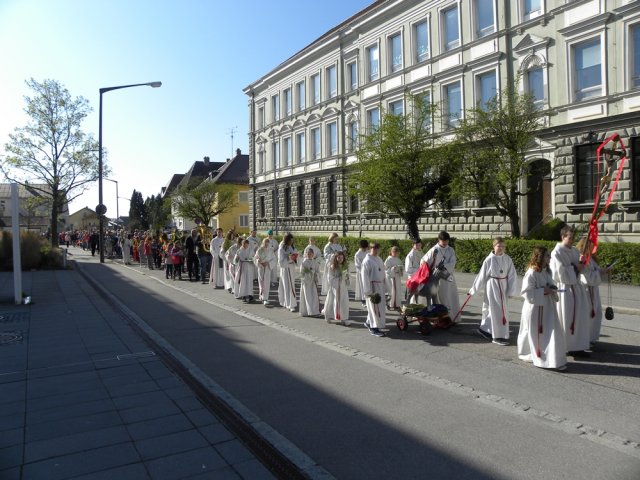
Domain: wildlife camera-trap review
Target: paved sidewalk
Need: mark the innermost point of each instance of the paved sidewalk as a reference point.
(83, 396)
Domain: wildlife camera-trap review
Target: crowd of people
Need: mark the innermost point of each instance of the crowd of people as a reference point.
(561, 313)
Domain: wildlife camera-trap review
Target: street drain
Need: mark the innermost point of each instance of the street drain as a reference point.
(10, 338)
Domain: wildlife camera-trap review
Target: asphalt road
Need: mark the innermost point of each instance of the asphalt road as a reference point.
(450, 405)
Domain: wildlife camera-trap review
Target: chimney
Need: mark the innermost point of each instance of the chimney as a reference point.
(238, 152)
(206, 161)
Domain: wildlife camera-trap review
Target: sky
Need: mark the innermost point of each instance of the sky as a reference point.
(205, 52)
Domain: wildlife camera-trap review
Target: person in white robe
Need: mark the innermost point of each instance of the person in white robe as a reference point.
(317, 254)
(358, 258)
(254, 244)
(591, 278)
(393, 269)
(566, 264)
(274, 246)
(374, 288)
(336, 305)
(243, 285)
(230, 256)
(330, 249)
(287, 259)
(228, 243)
(217, 261)
(265, 261)
(498, 279)
(412, 264)
(126, 249)
(309, 276)
(541, 338)
(442, 256)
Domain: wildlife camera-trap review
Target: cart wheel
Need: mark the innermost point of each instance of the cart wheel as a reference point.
(402, 324)
(425, 327)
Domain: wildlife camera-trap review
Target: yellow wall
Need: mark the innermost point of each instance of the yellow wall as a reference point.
(231, 218)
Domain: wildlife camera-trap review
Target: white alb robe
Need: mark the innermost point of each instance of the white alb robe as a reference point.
(336, 305)
(309, 276)
(243, 283)
(411, 266)
(358, 258)
(447, 289)
(572, 307)
(373, 282)
(498, 279)
(217, 262)
(541, 338)
(265, 261)
(287, 285)
(591, 278)
(229, 267)
(330, 249)
(393, 271)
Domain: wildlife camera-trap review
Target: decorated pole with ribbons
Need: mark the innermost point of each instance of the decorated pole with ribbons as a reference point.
(610, 152)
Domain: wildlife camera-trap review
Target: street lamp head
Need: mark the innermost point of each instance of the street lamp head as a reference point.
(155, 84)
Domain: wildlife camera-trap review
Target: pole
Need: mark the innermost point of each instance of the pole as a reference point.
(15, 231)
(100, 205)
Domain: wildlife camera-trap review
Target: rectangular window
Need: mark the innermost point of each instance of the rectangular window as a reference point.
(372, 63)
(316, 143)
(587, 172)
(287, 201)
(244, 221)
(287, 151)
(534, 79)
(261, 161)
(275, 155)
(421, 36)
(332, 189)
(352, 72)
(373, 119)
(531, 9)
(634, 38)
(635, 168)
(287, 101)
(353, 136)
(332, 82)
(275, 107)
(332, 136)
(587, 69)
(395, 53)
(262, 207)
(261, 117)
(485, 22)
(485, 88)
(427, 111)
(243, 197)
(354, 204)
(300, 200)
(396, 108)
(452, 104)
(451, 28)
(300, 148)
(315, 198)
(302, 95)
(315, 89)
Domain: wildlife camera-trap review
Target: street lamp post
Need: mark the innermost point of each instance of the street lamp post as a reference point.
(101, 209)
(117, 197)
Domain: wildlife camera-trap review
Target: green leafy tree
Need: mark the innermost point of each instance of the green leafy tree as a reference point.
(402, 168)
(158, 211)
(493, 141)
(51, 154)
(203, 201)
(137, 212)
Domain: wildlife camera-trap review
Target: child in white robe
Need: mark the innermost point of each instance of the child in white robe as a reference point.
(374, 288)
(591, 278)
(358, 258)
(330, 249)
(412, 264)
(243, 260)
(265, 261)
(287, 259)
(309, 275)
(541, 338)
(441, 254)
(336, 306)
(393, 269)
(498, 279)
(566, 265)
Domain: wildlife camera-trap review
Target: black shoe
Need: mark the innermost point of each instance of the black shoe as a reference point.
(377, 333)
(580, 354)
(485, 335)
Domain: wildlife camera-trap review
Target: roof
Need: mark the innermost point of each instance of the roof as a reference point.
(200, 170)
(235, 171)
(173, 183)
(23, 191)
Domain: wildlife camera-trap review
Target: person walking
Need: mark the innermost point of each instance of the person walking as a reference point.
(265, 261)
(393, 269)
(373, 285)
(309, 275)
(336, 305)
(412, 264)
(358, 258)
(287, 259)
(442, 287)
(193, 266)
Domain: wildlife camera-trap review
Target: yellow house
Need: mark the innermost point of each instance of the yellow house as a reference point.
(83, 219)
(235, 174)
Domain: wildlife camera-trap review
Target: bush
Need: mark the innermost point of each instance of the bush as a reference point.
(547, 231)
(35, 252)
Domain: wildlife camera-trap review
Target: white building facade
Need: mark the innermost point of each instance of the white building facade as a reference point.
(580, 59)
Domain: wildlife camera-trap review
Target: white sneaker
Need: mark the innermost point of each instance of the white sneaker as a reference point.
(265, 302)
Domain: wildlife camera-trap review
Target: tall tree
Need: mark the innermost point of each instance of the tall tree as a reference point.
(493, 141)
(402, 168)
(51, 154)
(158, 211)
(137, 212)
(203, 201)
